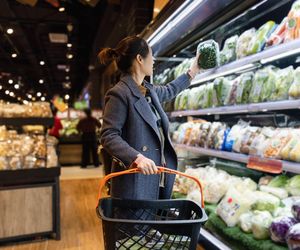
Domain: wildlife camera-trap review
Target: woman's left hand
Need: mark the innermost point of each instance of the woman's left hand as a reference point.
(194, 68)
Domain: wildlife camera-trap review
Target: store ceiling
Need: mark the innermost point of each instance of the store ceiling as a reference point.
(42, 65)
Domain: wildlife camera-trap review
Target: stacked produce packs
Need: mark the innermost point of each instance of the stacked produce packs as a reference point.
(268, 142)
(264, 211)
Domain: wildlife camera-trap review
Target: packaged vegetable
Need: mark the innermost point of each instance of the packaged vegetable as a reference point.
(293, 186)
(278, 143)
(290, 146)
(293, 20)
(296, 210)
(204, 131)
(246, 184)
(231, 97)
(258, 41)
(293, 237)
(243, 43)
(208, 96)
(283, 212)
(268, 88)
(247, 138)
(295, 153)
(194, 135)
(209, 54)
(227, 89)
(228, 54)
(192, 98)
(294, 91)
(234, 134)
(283, 82)
(277, 37)
(194, 195)
(216, 128)
(280, 227)
(245, 222)
(279, 181)
(244, 88)
(261, 142)
(217, 91)
(183, 102)
(277, 191)
(261, 221)
(233, 205)
(265, 201)
(260, 79)
(265, 180)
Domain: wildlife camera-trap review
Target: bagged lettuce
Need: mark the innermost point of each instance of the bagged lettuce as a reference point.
(183, 101)
(294, 91)
(217, 91)
(261, 221)
(265, 201)
(228, 54)
(243, 43)
(244, 88)
(283, 82)
(209, 54)
(258, 41)
(226, 91)
(260, 79)
(268, 88)
(245, 222)
(192, 98)
(208, 96)
(231, 97)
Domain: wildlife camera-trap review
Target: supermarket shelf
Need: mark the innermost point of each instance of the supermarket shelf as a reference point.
(237, 109)
(27, 121)
(213, 240)
(292, 167)
(249, 62)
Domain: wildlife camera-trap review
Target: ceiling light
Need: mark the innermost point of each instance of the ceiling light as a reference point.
(38, 94)
(69, 45)
(42, 63)
(33, 99)
(41, 81)
(43, 99)
(9, 31)
(17, 86)
(10, 81)
(69, 56)
(67, 97)
(61, 9)
(25, 102)
(67, 69)
(156, 10)
(29, 96)
(67, 78)
(7, 92)
(0, 87)
(13, 55)
(11, 94)
(19, 98)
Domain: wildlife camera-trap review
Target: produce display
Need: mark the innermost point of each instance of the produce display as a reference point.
(69, 127)
(209, 54)
(268, 142)
(18, 151)
(34, 109)
(267, 211)
(267, 84)
(228, 54)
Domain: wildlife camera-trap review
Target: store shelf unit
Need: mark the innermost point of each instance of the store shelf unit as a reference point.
(30, 198)
(238, 109)
(250, 62)
(288, 166)
(215, 243)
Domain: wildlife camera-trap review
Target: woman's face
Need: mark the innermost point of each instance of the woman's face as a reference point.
(148, 62)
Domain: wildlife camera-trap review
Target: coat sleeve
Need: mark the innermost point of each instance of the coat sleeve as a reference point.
(172, 89)
(115, 114)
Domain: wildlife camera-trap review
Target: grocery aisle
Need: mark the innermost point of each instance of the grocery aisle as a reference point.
(80, 227)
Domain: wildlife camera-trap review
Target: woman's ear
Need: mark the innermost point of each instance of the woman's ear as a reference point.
(139, 58)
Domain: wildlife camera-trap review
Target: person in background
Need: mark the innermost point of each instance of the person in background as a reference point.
(54, 131)
(88, 126)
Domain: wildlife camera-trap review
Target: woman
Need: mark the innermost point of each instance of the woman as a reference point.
(135, 126)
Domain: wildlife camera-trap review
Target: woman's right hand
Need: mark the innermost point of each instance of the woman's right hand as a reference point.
(146, 165)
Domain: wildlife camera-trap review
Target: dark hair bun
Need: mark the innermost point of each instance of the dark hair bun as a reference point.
(107, 55)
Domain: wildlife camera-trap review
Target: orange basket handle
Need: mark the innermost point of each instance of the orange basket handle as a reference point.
(160, 170)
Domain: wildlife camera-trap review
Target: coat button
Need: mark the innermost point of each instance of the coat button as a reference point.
(145, 148)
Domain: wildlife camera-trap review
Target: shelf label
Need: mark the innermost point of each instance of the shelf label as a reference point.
(265, 165)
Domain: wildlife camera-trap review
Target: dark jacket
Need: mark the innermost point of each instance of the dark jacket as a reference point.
(129, 129)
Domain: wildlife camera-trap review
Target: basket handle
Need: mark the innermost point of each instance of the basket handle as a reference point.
(160, 170)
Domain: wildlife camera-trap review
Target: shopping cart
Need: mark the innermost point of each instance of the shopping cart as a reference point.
(150, 224)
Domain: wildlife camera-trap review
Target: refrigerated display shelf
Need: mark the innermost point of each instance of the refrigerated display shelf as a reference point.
(237, 109)
(292, 167)
(213, 240)
(250, 62)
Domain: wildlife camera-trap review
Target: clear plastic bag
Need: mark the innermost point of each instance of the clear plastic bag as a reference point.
(228, 54)
(209, 54)
(243, 43)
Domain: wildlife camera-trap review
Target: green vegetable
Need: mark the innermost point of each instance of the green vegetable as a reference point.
(294, 90)
(177, 101)
(244, 87)
(277, 191)
(209, 54)
(226, 90)
(260, 79)
(228, 53)
(261, 222)
(268, 88)
(265, 202)
(279, 181)
(293, 185)
(183, 100)
(217, 91)
(259, 40)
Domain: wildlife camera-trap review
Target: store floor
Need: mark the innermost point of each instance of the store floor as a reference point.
(80, 227)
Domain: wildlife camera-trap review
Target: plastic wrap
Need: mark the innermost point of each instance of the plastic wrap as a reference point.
(244, 88)
(260, 79)
(243, 42)
(228, 54)
(209, 54)
(294, 91)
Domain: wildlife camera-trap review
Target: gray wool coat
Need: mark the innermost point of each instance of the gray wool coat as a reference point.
(129, 128)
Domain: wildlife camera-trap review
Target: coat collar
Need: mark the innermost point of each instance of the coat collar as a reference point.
(128, 80)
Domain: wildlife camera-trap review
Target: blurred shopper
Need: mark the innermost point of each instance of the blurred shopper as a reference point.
(88, 126)
(54, 131)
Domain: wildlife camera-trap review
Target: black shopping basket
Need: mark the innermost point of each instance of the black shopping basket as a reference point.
(150, 224)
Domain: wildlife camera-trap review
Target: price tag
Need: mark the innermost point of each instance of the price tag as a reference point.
(265, 165)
